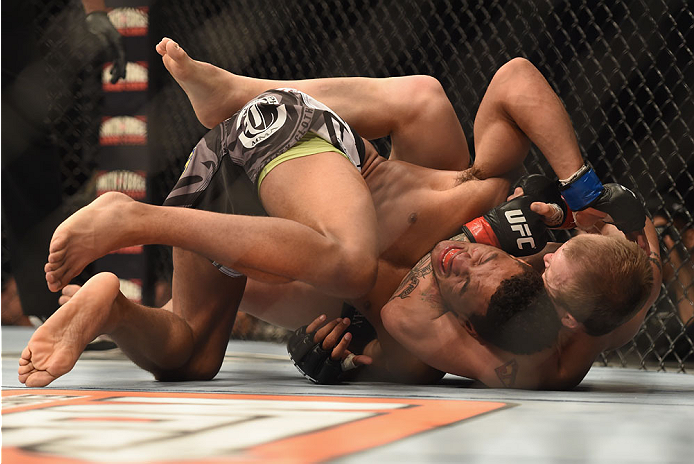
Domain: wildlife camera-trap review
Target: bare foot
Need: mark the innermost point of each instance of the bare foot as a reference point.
(56, 346)
(211, 90)
(67, 293)
(89, 234)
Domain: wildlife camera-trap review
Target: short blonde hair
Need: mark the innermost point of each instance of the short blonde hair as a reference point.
(612, 280)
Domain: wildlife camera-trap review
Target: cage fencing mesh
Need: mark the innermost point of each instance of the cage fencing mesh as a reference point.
(624, 70)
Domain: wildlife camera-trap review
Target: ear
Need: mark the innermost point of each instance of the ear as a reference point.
(569, 321)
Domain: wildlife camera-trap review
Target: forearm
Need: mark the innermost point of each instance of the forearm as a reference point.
(395, 366)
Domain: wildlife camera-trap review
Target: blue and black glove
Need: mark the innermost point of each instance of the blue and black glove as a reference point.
(584, 190)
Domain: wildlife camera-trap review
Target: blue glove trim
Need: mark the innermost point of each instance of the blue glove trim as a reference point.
(580, 193)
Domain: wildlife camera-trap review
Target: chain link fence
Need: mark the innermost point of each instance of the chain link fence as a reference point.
(623, 68)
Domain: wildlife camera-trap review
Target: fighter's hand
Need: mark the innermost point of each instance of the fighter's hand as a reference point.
(551, 213)
(511, 226)
(321, 354)
(611, 203)
(549, 203)
(620, 207)
(99, 25)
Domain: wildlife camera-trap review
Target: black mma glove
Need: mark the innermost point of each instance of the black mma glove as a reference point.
(623, 208)
(99, 25)
(546, 190)
(583, 190)
(312, 360)
(511, 226)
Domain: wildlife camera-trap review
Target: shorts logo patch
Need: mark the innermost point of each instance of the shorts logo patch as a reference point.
(259, 120)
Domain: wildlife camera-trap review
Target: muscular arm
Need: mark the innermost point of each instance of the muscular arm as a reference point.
(416, 318)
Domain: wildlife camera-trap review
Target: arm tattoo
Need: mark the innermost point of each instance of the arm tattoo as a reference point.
(655, 260)
(507, 373)
(421, 269)
(409, 283)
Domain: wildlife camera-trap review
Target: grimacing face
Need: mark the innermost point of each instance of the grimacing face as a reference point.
(468, 274)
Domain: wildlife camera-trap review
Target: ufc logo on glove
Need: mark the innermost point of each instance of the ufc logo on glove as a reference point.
(519, 224)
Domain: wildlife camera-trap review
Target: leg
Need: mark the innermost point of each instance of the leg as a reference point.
(208, 301)
(185, 342)
(518, 108)
(261, 246)
(326, 193)
(55, 347)
(413, 110)
(289, 305)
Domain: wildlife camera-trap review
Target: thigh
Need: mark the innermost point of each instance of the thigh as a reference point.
(208, 301)
(289, 305)
(327, 193)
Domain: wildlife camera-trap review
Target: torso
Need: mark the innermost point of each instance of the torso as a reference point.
(416, 208)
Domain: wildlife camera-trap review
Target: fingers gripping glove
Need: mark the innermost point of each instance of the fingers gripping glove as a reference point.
(312, 360)
(584, 190)
(544, 189)
(99, 25)
(511, 226)
(624, 208)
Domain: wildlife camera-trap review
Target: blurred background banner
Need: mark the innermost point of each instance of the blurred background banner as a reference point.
(623, 68)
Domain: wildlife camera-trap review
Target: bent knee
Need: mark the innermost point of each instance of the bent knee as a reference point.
(422, 92)
(517, 65)
(424, 88)
(356, 273)
(189, 372)
(517, 70)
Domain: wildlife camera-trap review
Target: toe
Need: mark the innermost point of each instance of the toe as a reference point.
(39, 379)
(58, 242)
(57, 256)
(53, 282)
(176, 52)
(23, 377)
(71, 289)
(25, 370)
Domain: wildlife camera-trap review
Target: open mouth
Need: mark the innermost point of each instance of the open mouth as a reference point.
(447, 256)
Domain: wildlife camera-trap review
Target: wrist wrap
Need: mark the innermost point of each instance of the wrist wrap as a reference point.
(580, 193)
